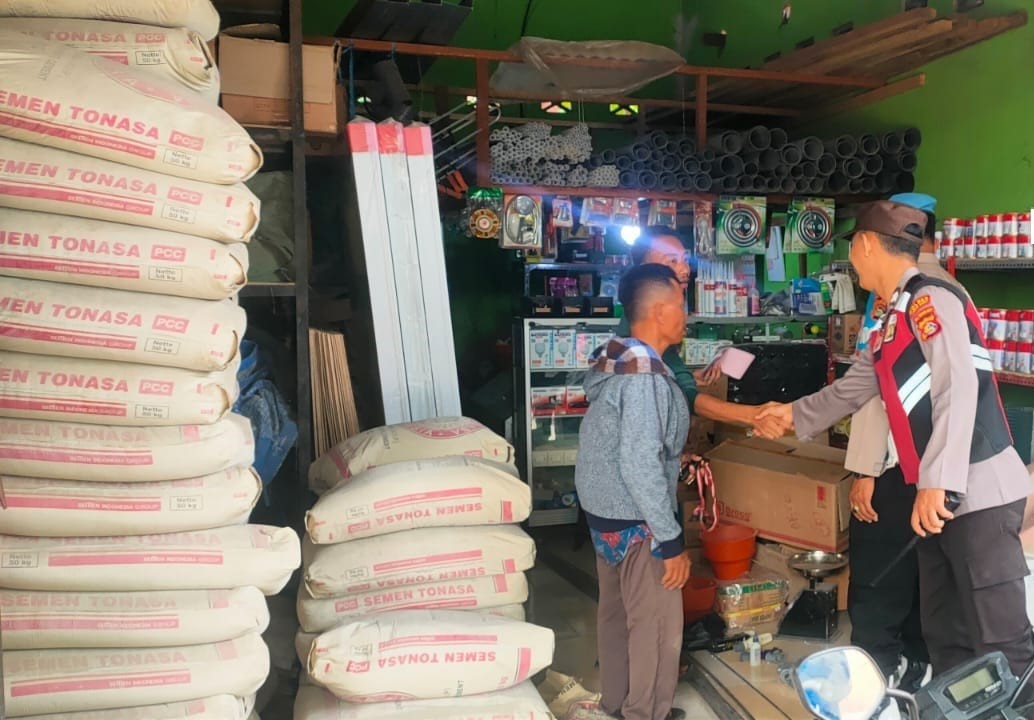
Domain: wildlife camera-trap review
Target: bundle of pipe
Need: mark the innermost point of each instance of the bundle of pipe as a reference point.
(533, 155)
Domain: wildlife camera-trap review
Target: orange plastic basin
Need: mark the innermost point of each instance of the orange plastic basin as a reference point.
(730, 550)
(697, 598)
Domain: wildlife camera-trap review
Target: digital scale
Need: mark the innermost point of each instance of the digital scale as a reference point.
(977, 690)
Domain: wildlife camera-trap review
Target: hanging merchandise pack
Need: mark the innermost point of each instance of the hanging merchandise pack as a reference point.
(740, 228)
(522, 222)
(484, 213)
(626, 212)
(597, 211)
(663, 213)
(809, 225)
(703, 229)
(563, 212)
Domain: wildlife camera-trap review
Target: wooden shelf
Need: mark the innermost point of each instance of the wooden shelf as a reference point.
(992, 265)
(1015, 379)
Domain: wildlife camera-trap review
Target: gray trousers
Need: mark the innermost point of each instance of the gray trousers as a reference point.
(639, 636)
(972, 595)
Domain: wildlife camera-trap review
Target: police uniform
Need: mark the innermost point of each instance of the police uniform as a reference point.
(929, 364)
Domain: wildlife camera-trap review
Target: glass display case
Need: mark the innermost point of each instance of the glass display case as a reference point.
(551, 362)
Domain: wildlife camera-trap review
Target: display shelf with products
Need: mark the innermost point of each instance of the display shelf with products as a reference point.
(988, 264)
(1009, 378)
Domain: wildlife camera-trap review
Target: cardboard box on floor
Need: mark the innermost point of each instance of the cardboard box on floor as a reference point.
(774, 556)
(255, 77)
(793, 493)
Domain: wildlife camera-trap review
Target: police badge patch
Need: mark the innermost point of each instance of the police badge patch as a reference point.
(924, 318)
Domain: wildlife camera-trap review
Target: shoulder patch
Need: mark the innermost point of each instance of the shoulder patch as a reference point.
(924, 318)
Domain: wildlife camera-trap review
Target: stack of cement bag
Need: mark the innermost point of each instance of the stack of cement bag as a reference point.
(411, 606)
(131, 585)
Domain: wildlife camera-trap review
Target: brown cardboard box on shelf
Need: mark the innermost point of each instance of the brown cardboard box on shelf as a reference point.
(774, 556)
(843, 333)
(793, 493)
(702, 430)
(255, 84)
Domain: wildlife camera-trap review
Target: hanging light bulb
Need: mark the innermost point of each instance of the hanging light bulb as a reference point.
(630, 233)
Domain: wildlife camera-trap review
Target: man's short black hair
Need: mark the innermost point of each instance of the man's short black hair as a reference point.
(899, 246)
(931, 225)
(638, 282)
(646, 240)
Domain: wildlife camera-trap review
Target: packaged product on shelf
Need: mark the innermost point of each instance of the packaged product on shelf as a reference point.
(1024, 246)
(997, 325)
(1024, 360)
(540, 349)
(1026, 326)
(597, 211)
(575, 402)
(740, 225)
(585, 344)
(625, 212)
(809, 225)
(450, 491)
(703, 229)
(564, 349)
(563, 212)
(760, 588)
(522, 222)
(548, 401)
(1009, 356)
(663, 212)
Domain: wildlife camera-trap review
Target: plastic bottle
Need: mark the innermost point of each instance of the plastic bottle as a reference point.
(755, 301)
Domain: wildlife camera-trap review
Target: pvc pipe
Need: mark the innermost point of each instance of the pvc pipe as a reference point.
(854, 168)
(687, 146)
(667, 181)
(838, 183)
(708, 155)
(908, 162)
(705, 167)
(657, 157)
(608, 156)
(797, 172)
(812, 148)
(659, 139)
(886, 181)
(868, 144)
(759, 138)
(810, 170)
(873, 165)
(779, 138)
(628, 179)
(640, 165)
(803, 185)
(746, 182)
(868, 185)
(730, 165)
(782, 171)
(671, 163)
(647, 180)
(729, 184)
(854, 186)
(891, 143)
(906, 183)
(731, 142)
(773, 184)
(826, 164)
(846, 146)
(751, 168)
(768, 160)
(690, 165)
(912, 139)
(702, 183)
(815, 185)
(787, 185)
(792, 154)
(641, 151)
(624, 162)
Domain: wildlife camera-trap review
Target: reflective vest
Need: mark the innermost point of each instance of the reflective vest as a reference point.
(904, 378)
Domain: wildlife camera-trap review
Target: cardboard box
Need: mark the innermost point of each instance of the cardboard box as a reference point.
(255, 78)
(547, 401)
(793, 493)
(843, 333)
(576, 403)
(585, 344)
(540, 349)
(564, 349)
(760, 588)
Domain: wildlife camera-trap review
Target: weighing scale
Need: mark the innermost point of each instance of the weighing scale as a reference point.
(813, 613)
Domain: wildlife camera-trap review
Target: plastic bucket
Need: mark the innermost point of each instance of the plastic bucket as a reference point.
(730, 550)
(698, 598)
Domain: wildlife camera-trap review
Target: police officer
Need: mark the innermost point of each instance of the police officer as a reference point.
(929, 364)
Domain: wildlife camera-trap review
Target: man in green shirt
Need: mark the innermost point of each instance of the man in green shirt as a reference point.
(660, 245)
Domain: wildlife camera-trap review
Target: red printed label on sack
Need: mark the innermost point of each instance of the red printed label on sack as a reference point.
(168, 323)
(191, 197)
(168, 253)
(183, 140)
(156, 387)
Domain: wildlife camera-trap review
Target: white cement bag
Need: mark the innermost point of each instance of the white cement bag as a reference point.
(441, 492)
(219, 707)
(426, 654)
(56, 95)
(49, 681)
(41, 621)
(513, 612)
(39, 507)
(423, 440)
(199, 15)
(224, 558)
(176, 54)
(74, 321)
(61, 248)
(475, 593)
(415, 557)
(521, 702)
(33, 177)
(104, 453)
(45, 387)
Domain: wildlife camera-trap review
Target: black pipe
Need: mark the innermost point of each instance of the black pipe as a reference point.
(912, 139)
(705, 167)
(812, 148)
(802, 185)
(685, 182)
(873, 165)
(703, 183)
(608, 156)
(647, 180)
(815, 185)
(668, 182)
(854, 186)
(868, 144)
(773, 184)
(886, 182)
(838, 183)
(854, 168)
(759, 138)
(892, 142)
(641, 151)
(671, 163)
(787, 185)
(846, 146)
(657, 156)
(792, 154)
(751, 168)
(731, 142)
(624, 162)
(730, 165)
(640, 165)
(768, 160)
(868, 185)
(690, 165)
(687, 146)
(908, 162)
(779, 138)
(746, 183)
(782, 171)
(797, 172)
(810, 170)
(729, 184)
(708, 155)
(906, 183)
(628, 179)
(826, 164)
(659, 139)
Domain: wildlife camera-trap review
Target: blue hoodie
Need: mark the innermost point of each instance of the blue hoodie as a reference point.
(630, 444)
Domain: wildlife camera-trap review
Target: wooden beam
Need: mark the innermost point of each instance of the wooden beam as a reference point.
(874, 96)
(701, 112)
(484, 156)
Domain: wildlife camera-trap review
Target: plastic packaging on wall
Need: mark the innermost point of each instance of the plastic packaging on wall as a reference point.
(199, 15)
(105, 453)
(427, 654)
(62, 97)
(61, 248)
(49, 681)
(38, 507)
(46, 387)
(224, 558)
(176, 54)
(522, 702)
(72, 321)
(41, 620)
(46, 179)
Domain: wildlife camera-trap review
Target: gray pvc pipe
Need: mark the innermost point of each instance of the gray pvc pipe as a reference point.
(873, 165)
(647, 180)
(769, 159)
(812, 148)
(815, 185)
(912, 139)
(667, 181)
(854, 186)
(685, 182)
(657, 157)
(787, 185)
(608, 156)
(687, 146)
(773, 184)
(659, 139)
(792, 154)
(640, 165)
(826, 164)
(759, 138)
(846, 146)
(731, 142)
(706, 167)
(691, 165)
(908, 162)
(779, 138)
(797, 172)
(906, 183)
(702, 183)
(746, 182)
(868, 144)
(708, 155)
(729, 184)
(628, 179)
(838, 183)
(854, 168)
(891, 143)
(671, 163)
(810, 170)
(802, 185)
(886, 181)
(624, 162)
(641, 151)
(782, 171)
(868, 185)
(730, 165)
(751, 168)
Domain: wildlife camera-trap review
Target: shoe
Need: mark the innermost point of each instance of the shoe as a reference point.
(676, 714)
(589, 711)
(916, 675)
(894, 678)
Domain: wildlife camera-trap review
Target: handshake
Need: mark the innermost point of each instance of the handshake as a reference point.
(771, 420)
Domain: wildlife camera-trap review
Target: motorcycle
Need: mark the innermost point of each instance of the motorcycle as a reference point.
(846, 684)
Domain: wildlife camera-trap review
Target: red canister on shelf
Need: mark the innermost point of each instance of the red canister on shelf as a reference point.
(1010, 232)
(995, 231)
(1023, 247)
(1012, 325)
(1024, 359)
(981, 235)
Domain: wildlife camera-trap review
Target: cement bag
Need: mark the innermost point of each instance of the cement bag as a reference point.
(415, 557)
(219, 707)
(442, 492)
(45, 387)
(423, 440)
(475, 593)
(219, 559)
(51, 681)
(426, 654)
(33, 177)
(61, 97)
(176, 54)
(41, 621)
(198, 15)
(104, 453)
(60, 248)
(38, 507)
(74, 321)
(521, 702)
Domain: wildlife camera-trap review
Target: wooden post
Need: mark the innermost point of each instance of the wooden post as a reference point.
(701, 115)
(484, 159)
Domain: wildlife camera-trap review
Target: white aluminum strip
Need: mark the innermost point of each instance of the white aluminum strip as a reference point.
(405, 258)
(431, 248)
(373, 217)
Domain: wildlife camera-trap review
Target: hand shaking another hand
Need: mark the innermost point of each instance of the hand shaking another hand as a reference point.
(773, 420)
